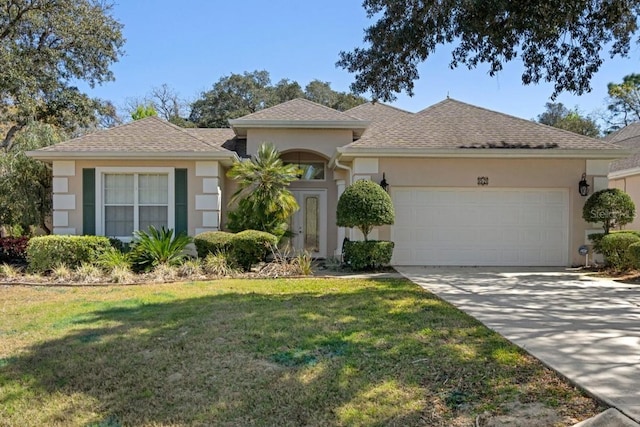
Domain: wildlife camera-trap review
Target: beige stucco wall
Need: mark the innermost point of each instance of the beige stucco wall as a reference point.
(630, 185)
(323, 141)
(502, 173)
(195, 187)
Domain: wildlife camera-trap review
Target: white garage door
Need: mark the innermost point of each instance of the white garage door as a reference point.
(469, 226)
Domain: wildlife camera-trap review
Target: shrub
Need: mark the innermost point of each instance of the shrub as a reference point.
(112, 259)
(615, 248)
(364, 204)
(250, 247)
(61, 272)
(219, 264)
(156, 247)
(46, 252)
(633, 254)
(212, 242)
(87, 273)
(13, 249)
(190, 268)
(367, 254)
(305, 263)
(611, 207)
(9, 271)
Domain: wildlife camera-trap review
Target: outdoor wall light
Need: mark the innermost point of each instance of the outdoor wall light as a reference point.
(384, 184)
(583, 187)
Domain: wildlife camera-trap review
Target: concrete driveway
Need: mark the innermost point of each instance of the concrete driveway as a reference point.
(588, 329)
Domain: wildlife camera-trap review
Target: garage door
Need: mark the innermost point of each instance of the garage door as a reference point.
(461, 226)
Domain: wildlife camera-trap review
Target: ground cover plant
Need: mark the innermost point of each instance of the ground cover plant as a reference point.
(284, 352)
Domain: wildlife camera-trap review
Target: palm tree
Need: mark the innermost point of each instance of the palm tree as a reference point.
(263, 201)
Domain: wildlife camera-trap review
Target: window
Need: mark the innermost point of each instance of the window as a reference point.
(311, 171)
(132, 201)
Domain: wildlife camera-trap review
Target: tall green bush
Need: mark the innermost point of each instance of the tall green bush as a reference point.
(251, 246)
(44, 253)
(212, 242)
(364, 204)
(611, 207)
(615, 248)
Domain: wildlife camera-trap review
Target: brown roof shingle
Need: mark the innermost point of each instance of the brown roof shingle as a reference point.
(298, 109)
(452, 124)
(149, 135)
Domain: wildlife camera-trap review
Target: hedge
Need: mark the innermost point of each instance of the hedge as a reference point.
(250, 247)
(615, 248)
(365, 255)
(46, 252)
(213, 242)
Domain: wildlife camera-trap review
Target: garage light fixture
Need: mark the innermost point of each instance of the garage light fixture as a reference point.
(583, 187)
(384, 184)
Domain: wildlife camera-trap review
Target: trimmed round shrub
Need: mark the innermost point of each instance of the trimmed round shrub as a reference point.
(611, 207)
(44, 253)
(633, 253)
(213, 242)
(367, 255)
(615, 248)
(364, 204)
(249, 247)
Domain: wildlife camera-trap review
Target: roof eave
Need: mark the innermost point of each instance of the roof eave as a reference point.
(48, 156)
(606, 154)
(624, 173)
(240, 126)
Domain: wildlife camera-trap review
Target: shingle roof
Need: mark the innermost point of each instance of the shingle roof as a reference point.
(452, 124)
(151, 135)
(380, 115)
(630, 162)
(298, 109)
(628, 136)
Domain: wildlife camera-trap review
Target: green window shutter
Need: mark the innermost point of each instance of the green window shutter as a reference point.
(88, 201)
(181, 208)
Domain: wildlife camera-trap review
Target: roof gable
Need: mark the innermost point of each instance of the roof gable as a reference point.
(452, 124)
(298, 109)
(150, 135)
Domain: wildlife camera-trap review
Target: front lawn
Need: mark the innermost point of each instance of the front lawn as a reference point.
(261, 352)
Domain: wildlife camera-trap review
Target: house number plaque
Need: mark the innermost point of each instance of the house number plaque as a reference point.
(483, 180)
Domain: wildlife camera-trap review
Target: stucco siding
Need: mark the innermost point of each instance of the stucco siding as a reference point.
(630, 185)
(324, 141)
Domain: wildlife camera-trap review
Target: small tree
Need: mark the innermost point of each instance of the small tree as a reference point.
(263, 199)
(612, 207)
(364, 204)
(144, 111)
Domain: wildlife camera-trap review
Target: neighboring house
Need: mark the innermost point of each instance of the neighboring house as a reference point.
(470, 186)
(625, 173)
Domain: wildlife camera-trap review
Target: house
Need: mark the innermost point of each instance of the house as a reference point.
(470, 186)
(625, 173)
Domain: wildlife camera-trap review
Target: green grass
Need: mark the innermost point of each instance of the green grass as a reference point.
(259, 352)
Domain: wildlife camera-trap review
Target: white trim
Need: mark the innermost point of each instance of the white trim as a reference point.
(64, 202)
(60, 184)
(624, 173)
(226, 157)
(206, 202)
(300, 124)
(64, 168)
(60, 218)
(351, 153)
(597, 167)
(207, 169)
(600, 183)
(210, 219)
(203, 230)
(64, 231)
(210, 186)
(171, 202)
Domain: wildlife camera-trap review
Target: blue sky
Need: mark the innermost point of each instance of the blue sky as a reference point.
(192, 43)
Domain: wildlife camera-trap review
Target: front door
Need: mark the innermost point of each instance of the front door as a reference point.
(309, 223)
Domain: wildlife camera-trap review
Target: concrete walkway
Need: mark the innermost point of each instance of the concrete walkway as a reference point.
(586, 328)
